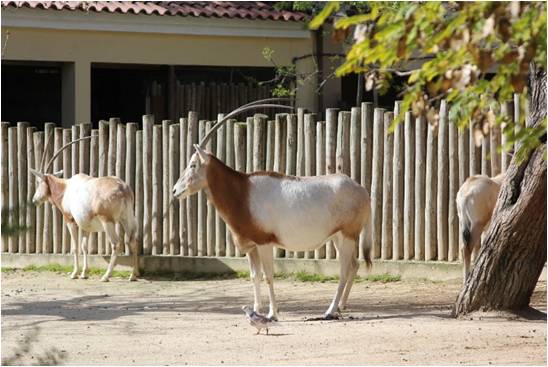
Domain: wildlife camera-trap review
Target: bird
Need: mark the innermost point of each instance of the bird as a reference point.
(256, 320)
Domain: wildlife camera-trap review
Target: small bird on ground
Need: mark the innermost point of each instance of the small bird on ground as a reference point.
(258, 321)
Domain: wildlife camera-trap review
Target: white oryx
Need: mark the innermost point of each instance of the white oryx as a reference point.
(93, 205)
(476, 201)
(266, 209)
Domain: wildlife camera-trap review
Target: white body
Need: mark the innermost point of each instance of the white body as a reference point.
(267, 209)
(476, 200)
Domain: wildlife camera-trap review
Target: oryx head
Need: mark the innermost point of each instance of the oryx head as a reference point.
(194, 177)
(43, 180)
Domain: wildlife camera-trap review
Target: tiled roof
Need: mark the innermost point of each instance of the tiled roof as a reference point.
(219, 9)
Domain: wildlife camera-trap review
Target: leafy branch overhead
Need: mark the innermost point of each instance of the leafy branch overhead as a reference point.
(473, 54)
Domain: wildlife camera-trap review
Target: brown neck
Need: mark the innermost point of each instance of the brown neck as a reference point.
(57, 188)
(227, 188)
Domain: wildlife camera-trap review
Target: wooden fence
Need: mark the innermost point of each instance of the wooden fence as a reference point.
(413, 176)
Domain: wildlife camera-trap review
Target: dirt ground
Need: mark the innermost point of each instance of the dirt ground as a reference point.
(156, 322)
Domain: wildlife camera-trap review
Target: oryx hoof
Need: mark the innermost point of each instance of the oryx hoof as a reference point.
(73, 275)
(272, 317)
(104, 279)
(132, 278)
(331, 316)
(83, 276)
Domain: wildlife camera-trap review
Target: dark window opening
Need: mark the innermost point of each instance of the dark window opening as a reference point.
(31, 92)
(349, 92)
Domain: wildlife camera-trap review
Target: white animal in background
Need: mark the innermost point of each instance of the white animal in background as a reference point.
(93, 205)
(476, 201)
(257, 321)
(266, 209)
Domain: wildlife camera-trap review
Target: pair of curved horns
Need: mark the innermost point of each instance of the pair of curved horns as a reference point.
(262, 103)
(43, 169)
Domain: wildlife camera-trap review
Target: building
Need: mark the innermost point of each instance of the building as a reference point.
(82, 61)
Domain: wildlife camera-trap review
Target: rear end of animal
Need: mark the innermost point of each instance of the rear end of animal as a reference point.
(476, 200)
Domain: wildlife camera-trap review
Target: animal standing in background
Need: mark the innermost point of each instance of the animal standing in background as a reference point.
(476, 201)
(93, 205)
(257, 321)
(266, 209)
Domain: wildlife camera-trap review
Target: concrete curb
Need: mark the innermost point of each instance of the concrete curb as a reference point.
(431, 270)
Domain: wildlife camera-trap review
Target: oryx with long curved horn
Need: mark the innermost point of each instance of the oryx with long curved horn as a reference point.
(263, 209)
(93, 204)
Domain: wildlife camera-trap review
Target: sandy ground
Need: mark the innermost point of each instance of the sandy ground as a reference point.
(156, 322)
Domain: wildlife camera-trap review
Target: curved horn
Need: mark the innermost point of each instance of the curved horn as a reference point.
(42, 161)
(246, 107)
(60, 150)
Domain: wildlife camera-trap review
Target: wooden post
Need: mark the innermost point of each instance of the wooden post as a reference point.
(166, 190)
(485, 156)
(342, 150)
(183, 220)
(475, 154)
(38, 150)
(443, 182)
(386, 239)
(148, 122)
(319, 253)
(30, 220)
(67, 173)
(366, 148)
(139, 194)
(230, 251)
(239, 157)
(22, 182)
(120, 173)
(517, 115)
(355, 144)
(94, 172)
(507, 111)
(420, 186)
(4, 163)
(259, 139)
(269, 151)
(131, 128)
(431, 194)
(464, 165)
(211, 146)
(280, 136)
(173, 176)
(291, 153)
(300, 142)
(13, 201)
(220, 227)
(249, 139)
(453, 220)
(103, 171)
(494, 136)
(202, 205)
(57, 233)
(398, 165)
(192, 202)
(409, 189)
(377, 180)
(310, 154)
(112, 136)
(156, 219)
(47, 243)
(330, 158)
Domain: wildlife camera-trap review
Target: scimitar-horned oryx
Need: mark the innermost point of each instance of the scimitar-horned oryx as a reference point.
(476, 200)
(266, 209)
(93, 204)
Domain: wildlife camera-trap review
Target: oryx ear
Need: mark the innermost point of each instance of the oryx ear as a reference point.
(58, 173)
(36, 173)
(204, 157)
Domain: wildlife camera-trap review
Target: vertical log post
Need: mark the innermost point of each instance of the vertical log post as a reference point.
(453, 219)
(47, 244)
(192, 202)
(173, 176)
(166, 190)
(420, 186)
(38, 150)
(139, 193)
(220, 227)
(239, 157)
(486, 156)
(507, 111)
(156, 219)
(398, 166)
(249, 139)
(4, 163)
(201, 236)
(280, 136)
(103, 171)
(30, 220)
(148, 122)
(388, 190)
(13, 201)
(211, 146)
(310, 154)
(57, 232)
(183, 220)
(330, 158)
(443, 183)
(120, 173)
(377, 180)
(230, 251)
(291, 152)
(475, 154)
(409, 189)
(93, 241)
(431, 194)
(464, 164)
(22, 182)
(319, 253)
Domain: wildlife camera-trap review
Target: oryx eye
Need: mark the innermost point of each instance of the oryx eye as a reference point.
(192, 166)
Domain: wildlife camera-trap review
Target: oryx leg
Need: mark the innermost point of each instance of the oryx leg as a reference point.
(84, 247)
(110, 229)
(473, 246)
(131, 229)
(352, 271)
(346, 252)
(73, 230)
(267, 260)
(255, 274)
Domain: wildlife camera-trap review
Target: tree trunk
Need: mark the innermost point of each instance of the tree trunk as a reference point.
(513, 251)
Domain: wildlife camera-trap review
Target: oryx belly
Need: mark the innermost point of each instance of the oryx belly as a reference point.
(77, 202)
(302, 214)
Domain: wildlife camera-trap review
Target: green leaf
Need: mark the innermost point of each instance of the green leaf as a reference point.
(319, 19)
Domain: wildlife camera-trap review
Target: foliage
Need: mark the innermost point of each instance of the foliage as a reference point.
(473, 54)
